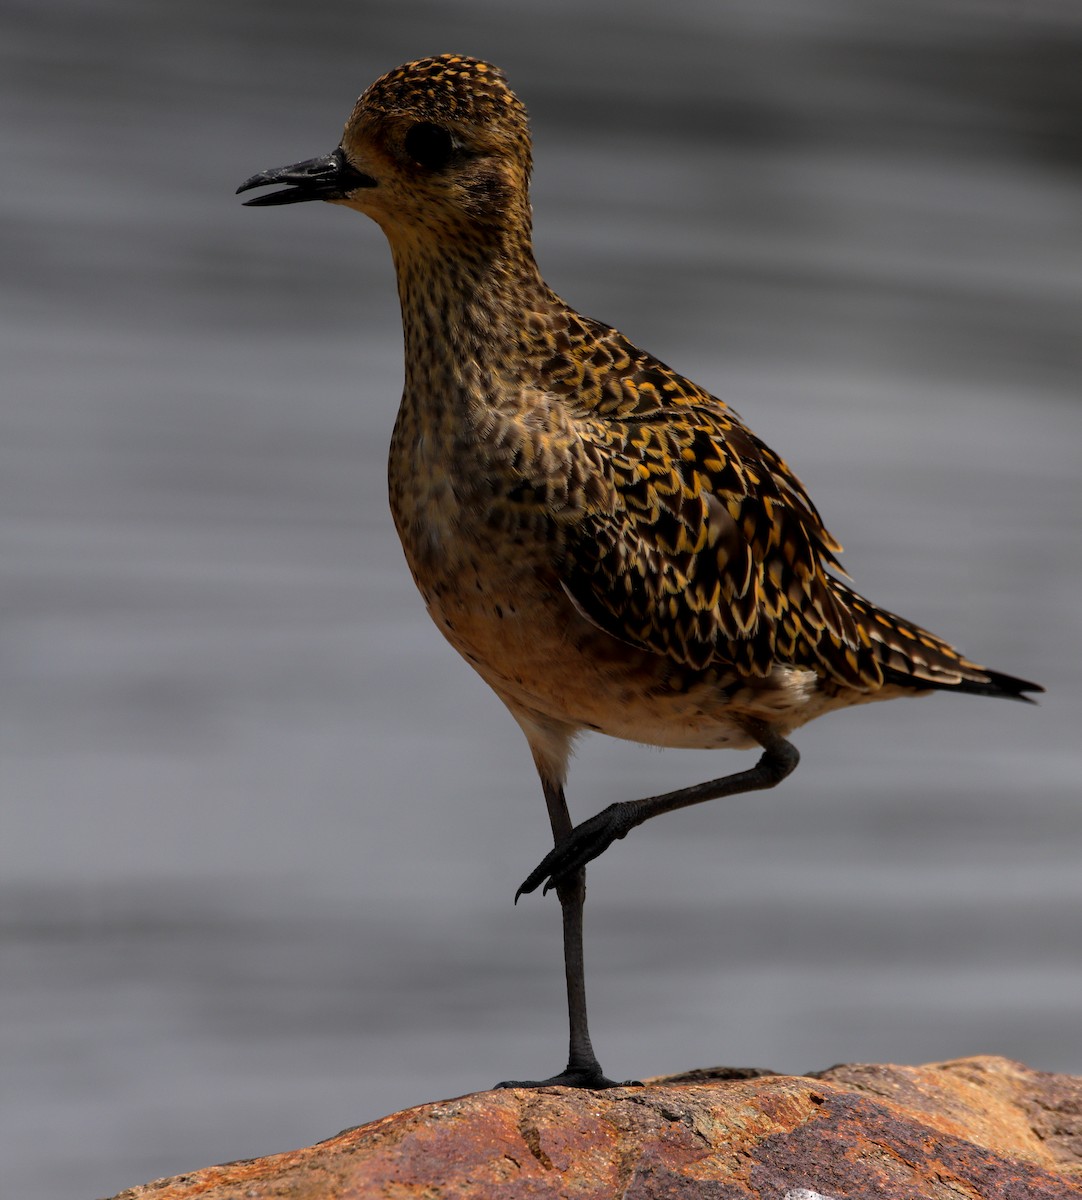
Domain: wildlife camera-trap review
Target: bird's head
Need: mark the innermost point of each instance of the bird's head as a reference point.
(436, 147)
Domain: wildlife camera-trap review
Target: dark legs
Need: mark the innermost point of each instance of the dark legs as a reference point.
(564, 868)
(583, 1069)
(590, 839)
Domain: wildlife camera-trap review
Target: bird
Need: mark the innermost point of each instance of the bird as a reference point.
(605, 542)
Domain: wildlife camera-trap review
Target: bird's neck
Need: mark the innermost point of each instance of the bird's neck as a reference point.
(467, 312)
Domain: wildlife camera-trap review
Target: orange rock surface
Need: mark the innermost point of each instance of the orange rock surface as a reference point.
(974, 1129)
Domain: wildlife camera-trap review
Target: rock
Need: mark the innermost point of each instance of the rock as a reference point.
(974, 1129)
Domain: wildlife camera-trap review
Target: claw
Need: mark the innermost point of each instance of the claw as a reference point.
(585, 843)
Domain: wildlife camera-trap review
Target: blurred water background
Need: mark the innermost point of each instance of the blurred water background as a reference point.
(261, 828)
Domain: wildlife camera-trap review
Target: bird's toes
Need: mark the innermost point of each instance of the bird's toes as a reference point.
(588, 1078)
(536, 877)
(559, 864)
(582, 845)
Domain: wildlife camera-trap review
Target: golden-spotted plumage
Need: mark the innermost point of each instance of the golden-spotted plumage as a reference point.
(607, 543)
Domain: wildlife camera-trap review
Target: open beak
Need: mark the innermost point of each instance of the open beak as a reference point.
(328, 178)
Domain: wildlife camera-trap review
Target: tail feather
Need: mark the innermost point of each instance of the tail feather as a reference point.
(908, 656)
(989, 683)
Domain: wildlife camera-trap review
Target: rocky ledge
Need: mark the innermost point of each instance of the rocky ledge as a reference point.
(973, 1129)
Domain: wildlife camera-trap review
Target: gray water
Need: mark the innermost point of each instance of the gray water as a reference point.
(260, 827)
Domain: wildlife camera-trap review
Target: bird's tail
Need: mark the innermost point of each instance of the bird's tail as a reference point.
(911, 657)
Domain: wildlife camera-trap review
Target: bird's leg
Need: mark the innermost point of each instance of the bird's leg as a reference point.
(590, 839)
(582, 1070)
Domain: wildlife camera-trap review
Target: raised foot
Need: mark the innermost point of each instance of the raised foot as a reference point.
(583, 844)
(592, 1080)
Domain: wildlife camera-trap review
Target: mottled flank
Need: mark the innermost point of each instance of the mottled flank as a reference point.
(607, 543)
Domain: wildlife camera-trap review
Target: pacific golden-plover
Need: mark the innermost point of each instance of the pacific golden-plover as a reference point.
(605, 542)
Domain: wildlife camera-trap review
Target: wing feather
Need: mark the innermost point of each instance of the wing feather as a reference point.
(706, 547)
(690, 537)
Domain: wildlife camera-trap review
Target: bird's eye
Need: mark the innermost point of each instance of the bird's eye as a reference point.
(429, 145)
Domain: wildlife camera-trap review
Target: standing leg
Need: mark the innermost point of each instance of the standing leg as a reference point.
(582, 1070)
